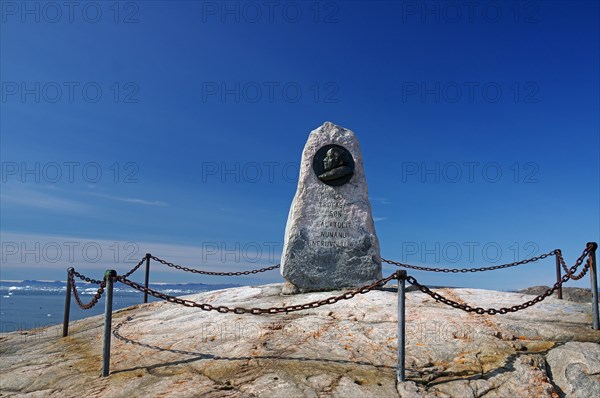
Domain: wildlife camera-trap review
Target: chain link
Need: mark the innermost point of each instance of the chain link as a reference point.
(504, 310)
(98, 282)
(564, 265)
(197, 271)
(465, 270)
(94, 300)
(258, 311)
(85, 278)
(138, 265)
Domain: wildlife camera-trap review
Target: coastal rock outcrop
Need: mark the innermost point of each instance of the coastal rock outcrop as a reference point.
(347, 349)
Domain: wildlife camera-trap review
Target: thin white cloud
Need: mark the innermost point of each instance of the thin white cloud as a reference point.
(379, 218)
(26, 196)
(51, 197)
(383, 201)
(88, 255)
(132, 200)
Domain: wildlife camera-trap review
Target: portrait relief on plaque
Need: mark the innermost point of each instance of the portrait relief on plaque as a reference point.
(333, 165)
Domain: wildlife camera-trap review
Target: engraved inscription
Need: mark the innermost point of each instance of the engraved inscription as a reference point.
(336, 229)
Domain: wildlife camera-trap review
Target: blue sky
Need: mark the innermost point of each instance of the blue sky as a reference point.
(176, 128)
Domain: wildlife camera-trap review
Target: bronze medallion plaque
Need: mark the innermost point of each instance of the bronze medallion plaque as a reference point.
(333, 165)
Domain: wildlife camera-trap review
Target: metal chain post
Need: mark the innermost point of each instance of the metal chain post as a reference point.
(594, 283)
(148, 255)
(558, 274)
(400, 372)
(67, 303)
(109, 277)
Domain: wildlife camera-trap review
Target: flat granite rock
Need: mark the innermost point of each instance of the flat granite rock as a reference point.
(330, 241)
(347, 349)
(575, 368)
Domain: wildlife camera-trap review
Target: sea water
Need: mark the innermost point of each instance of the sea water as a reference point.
(28, 305)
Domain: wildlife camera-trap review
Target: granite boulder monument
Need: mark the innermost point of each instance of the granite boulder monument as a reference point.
(330, 241)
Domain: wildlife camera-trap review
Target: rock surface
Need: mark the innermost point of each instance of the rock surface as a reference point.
(575, 369)
(330, 239)
(347, 349)
(577, 294)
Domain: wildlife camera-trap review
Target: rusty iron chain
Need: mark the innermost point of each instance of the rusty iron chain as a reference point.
(98, 282)
(566, 268)
(258, 311)
(465, 270)
(80, 303)
(83, 277)
(138, 265)
(570, 274)
(504, 310)
(197, 271)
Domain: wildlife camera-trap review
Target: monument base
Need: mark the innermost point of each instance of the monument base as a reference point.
(289, 288)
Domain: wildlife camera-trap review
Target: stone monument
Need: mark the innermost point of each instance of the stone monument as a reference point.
(330, 241)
